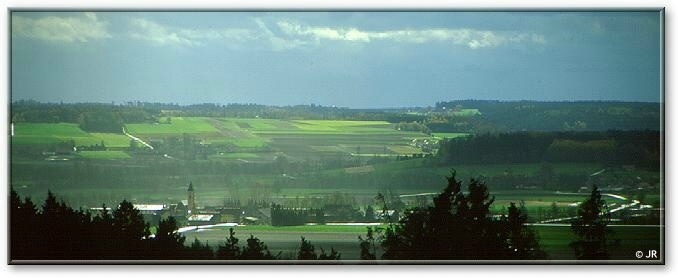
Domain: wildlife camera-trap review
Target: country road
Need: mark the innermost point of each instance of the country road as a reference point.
(137, 139)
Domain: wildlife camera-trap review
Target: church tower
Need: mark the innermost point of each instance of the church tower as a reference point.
(191, 198)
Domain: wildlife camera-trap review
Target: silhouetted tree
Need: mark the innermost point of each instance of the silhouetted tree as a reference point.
(23, 232)
(590, 226)
(333, 255)
(369, 214)
(306, 251)
(168, 243)
(130, 231)
(256, 250)
(199, 251)
(522, 240)
(368, 246)
(459, 226)
(230, 251)
(102, 224)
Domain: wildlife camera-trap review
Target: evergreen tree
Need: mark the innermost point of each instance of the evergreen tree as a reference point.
(369, 214)
(199, 251)
(590, 226)
(522, 240)
(230, 251)
(130, 231)
(256, 250)
(306, 251)
(333, 255)
(168, 243)
(368, 245)
(460, 226)
(23, 232)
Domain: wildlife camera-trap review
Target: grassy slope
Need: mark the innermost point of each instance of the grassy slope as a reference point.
(554, 240)
(104, 154)
(49, 133)
(178, 125)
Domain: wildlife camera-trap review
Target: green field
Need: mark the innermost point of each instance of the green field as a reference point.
(178, 125)
(448, 135)
(554, 240)
(234, 155)
(466, 112)
(295, 138)
(104, 154)
(243, 137)
(50, 133)
(308, 228)
(311, 138)
(112, 140)
(286, 240)
(241, 142)
(471, 170)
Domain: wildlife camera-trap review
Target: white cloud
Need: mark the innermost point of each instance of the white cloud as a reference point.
(289, 35)
(277, 43)
(150, 31)
(471, 38)
(144, 29)
(64, 29)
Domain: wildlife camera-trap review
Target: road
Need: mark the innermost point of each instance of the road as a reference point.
(137, 139)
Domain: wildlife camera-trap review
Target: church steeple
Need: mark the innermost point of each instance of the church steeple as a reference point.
(191, 198)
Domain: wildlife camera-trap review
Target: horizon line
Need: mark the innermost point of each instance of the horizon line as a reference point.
(126, 103)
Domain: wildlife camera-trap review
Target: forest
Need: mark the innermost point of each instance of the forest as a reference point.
(452, 116)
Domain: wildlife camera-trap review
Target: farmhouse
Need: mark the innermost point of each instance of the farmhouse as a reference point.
(186, 212)
(152, 213)
(202, 219)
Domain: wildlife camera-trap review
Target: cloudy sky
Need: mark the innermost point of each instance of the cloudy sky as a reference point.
(366, 59)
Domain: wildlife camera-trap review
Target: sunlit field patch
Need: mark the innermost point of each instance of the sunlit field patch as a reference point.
(104, 154)
(51, 133)
(177, 125)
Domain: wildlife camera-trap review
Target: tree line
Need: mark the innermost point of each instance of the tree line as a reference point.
(641, 148)
(508, 116)
(56, 231)
(140, 112)
(459, 226)
(505, 116)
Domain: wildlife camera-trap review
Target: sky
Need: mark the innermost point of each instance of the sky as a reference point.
(347, 59)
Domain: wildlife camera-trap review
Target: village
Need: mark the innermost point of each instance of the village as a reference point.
(188, 213)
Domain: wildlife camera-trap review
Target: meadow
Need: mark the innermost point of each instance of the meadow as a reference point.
(244, 138)
(554, 239)
(177, 125)
(50, 133)
(297, 139)
(104, 154)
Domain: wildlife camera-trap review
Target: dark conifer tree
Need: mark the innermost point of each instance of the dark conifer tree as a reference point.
(333, 255)
(523, 241)
(256, 250)
(230, 251)
(168, 243)
(199, 251)
(130, 231)
(590, 226)
(459, 226)
(368, 245)
(306, 251)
